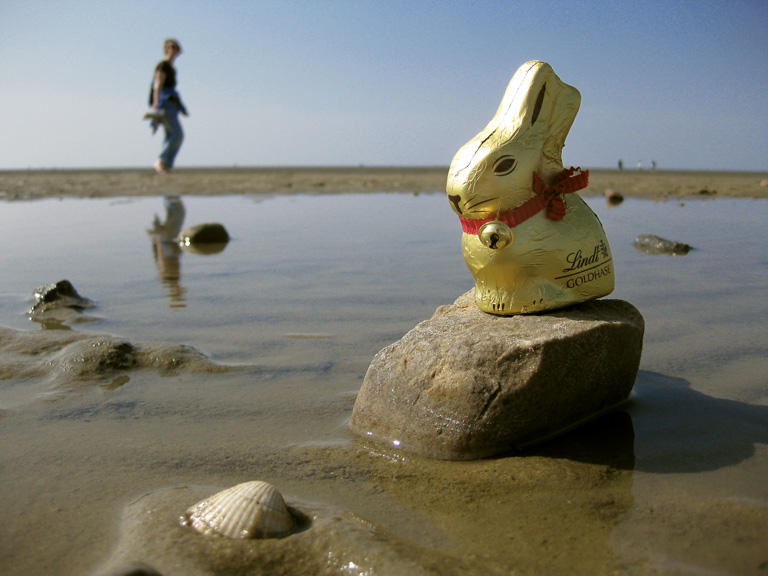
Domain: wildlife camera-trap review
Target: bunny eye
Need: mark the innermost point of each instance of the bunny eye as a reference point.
(504, 165)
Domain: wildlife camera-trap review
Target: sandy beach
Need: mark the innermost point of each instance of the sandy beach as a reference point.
(658, 184)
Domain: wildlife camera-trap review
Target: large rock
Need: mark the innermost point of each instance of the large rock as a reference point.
(466, 384)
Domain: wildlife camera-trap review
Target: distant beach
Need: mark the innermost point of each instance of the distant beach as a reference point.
(651, 184)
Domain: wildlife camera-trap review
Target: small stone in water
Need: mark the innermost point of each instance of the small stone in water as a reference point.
(61, 294)
(651, 244)
(208, 233)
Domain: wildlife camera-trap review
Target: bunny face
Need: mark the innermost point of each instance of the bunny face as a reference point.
(530, 248)
(492, 172)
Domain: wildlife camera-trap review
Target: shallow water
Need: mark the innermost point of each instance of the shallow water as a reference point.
(306, 292)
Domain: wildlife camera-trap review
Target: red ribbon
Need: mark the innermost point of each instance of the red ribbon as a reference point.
(549, 197)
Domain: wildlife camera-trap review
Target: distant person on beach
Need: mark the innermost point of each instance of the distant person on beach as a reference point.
(165, 98)
(621, 164)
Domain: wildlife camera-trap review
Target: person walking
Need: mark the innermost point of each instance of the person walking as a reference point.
(166, 101)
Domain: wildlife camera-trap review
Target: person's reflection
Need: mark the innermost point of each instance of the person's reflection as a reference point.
(166, 250)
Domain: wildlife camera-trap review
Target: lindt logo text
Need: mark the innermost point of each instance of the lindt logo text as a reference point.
(584, 269)
(577, 260)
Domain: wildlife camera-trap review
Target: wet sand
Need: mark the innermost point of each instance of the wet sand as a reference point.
(658, 184)
(618, 496)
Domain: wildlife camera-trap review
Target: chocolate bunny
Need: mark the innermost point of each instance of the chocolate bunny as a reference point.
(529, 240)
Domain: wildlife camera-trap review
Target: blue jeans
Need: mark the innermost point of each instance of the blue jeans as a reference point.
(174, 135)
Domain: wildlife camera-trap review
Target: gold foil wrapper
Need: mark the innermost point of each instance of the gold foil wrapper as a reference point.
(529, 248)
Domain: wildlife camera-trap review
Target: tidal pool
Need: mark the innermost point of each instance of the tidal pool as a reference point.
(309, 288)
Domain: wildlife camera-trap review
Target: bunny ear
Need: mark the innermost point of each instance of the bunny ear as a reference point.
(539, 108)
(539, 102)
(534, 115)
(526, 100)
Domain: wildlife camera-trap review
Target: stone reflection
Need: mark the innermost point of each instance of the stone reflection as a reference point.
(686, 524)
(550, 509)
(166, 249)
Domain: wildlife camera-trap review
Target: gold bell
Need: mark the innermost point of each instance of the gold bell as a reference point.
(495, 235)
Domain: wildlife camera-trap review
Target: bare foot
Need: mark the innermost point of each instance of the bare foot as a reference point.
(161, 168)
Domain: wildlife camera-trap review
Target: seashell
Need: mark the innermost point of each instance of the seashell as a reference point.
(139, 569)
(249, 510)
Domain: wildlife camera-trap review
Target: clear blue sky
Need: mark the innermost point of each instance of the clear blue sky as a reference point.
(391, 82)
